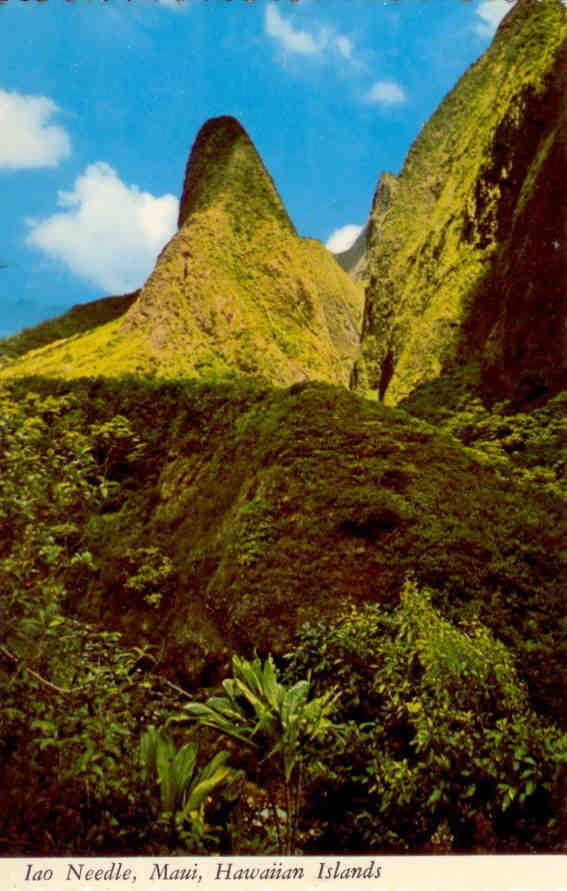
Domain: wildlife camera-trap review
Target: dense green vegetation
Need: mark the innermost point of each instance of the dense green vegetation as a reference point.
(532, 440)
(149, 530)
(241, 618)
(444, 751)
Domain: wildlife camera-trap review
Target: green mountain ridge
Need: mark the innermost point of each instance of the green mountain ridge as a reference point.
(80, 318)
(234, 291)
(178, 495)
(462, 267)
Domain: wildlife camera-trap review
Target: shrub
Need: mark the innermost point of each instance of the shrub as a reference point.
(443, 740)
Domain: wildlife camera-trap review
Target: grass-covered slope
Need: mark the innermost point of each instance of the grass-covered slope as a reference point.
(234, 290)
(460, 262)
(81, 318)
(231, 514)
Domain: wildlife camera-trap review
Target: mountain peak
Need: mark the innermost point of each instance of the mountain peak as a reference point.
(224, 167)
(235, 290)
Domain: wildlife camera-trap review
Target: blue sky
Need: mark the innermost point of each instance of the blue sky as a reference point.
(101, 101)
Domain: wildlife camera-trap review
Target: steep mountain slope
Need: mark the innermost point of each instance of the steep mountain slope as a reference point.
(235, 290)
(80, 318)
(468, 261)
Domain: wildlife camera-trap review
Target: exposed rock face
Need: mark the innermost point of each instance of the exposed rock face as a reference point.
(467, 251)
(235, 290)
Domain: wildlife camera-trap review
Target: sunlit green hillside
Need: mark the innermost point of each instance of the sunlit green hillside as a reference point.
(234, 290)
(468, 260)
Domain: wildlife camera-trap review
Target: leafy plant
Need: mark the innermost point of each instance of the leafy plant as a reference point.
(149, 574)
(183, 789)
(278, 724)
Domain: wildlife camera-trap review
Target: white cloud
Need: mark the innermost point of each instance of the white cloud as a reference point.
(291, 41)
(316, 43)
(341, 239)
(491, 13)
(29, 139)
(107, 232)
(386, 92)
